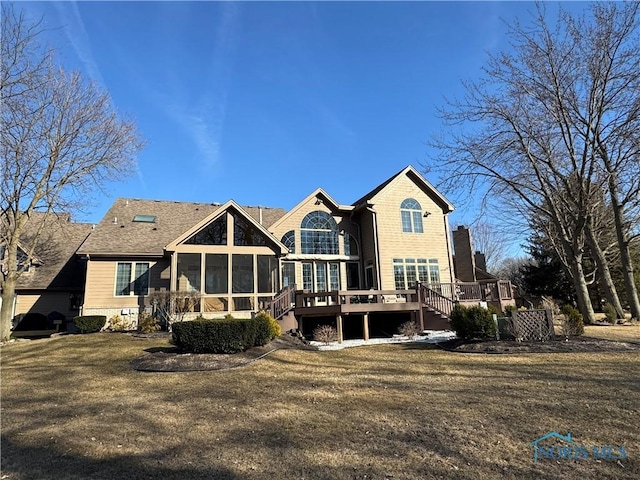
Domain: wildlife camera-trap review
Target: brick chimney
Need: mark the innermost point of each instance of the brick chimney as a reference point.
(464, 259)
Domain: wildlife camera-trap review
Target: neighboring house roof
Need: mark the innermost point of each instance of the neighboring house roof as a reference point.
(118, 233)
(56, 266)
(418, 179)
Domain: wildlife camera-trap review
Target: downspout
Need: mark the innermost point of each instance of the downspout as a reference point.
(375, 245)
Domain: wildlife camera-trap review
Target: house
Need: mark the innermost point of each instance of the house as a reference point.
(382, 259)
(52, 279)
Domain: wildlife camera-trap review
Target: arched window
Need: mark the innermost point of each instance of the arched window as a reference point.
(350, 245)
(319, 234)
(411, 214)
(289, 241)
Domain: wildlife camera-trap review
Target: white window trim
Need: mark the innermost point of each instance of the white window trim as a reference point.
(131, 279)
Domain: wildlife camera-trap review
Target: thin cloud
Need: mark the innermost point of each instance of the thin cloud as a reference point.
(77, 34)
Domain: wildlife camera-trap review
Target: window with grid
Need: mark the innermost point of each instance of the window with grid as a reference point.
(132, 278)
(319, 234)
(411, 216)
(289, 241)
(407, 271)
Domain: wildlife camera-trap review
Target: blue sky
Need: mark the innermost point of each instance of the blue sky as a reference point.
(263, 102)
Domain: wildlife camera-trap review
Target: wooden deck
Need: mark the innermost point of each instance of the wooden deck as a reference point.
(344, 302)
(433, 299)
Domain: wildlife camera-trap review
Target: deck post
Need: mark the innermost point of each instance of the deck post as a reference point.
(365, 326)
(339, 323)
(420, 305)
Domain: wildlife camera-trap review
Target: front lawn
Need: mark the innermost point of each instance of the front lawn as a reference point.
(72, 408)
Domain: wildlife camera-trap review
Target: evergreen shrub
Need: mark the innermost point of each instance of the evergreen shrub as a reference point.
(90, 323)
(471, 323)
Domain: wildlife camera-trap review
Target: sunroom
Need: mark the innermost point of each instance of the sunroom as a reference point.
(229, 262)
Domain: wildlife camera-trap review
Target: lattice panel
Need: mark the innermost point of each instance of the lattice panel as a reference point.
(533, 325)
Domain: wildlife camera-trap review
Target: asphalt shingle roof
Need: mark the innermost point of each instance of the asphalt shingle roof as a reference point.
(118, 234)
(57, 267)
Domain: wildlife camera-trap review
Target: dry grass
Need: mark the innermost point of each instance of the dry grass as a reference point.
(73, 409)
(619, 333)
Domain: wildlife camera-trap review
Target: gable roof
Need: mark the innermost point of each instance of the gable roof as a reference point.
(217, 213)
(422, 182)
(317, 193)
(55, 265)
(118, 233)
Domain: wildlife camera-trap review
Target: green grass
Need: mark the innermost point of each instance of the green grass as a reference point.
(73, 409)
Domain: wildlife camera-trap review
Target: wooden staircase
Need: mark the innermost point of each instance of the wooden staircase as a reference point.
(282, 303)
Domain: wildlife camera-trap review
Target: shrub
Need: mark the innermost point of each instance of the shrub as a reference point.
(509, 309)
(610, 313)
(118, 324)
(32, 321)
(572, 323)
(223, 335)
(147, 323)
(472, 323)
(266, 328)
(409, 329)
(90, 323)
(325, 334)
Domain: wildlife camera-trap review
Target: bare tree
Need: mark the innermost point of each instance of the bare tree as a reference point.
(536, 119)
(172, 306)
(488, 239)
(61, 138)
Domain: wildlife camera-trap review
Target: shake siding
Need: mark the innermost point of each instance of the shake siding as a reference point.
(394, 243)
(101, 277)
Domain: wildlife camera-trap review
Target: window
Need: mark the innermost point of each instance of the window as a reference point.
(132, 278)
(319, 234)
(353, 276)
(213, 234)
(144, 218)
(242, 274)
(288, 274)
(350, 245)
(411, 215)
(216, 273)
(289, 241)
(307, 276)
(189, 272)
(267, 273)
(434, 271)
(246, 234)
(408, 271)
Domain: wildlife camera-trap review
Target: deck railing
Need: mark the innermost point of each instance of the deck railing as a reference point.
(486, 290)
(440, 297)
(434, 300)
(282, 303)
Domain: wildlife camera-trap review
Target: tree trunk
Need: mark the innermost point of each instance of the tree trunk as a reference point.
(610, 291)
(625, 254)
(6, 312)
(8, 289)
(582, 292)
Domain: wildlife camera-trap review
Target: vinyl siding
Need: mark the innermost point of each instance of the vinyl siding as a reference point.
(101, 276)
(44, 303)
(394, 243)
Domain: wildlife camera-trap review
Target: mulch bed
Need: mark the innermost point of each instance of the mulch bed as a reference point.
(559, 345)
(170, 359)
